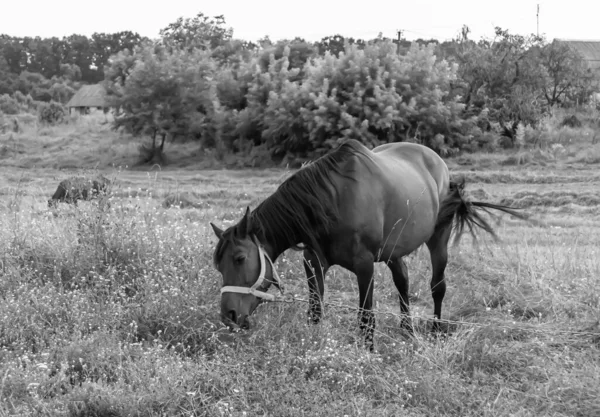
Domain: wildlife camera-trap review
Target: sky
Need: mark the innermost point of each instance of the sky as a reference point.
(310, 19)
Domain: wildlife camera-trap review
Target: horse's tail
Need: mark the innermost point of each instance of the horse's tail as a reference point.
(460, 212)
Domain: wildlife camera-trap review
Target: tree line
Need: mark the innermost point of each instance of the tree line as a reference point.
(293, 97)
(42, 66)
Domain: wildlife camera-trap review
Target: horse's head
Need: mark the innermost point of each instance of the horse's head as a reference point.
(247, 272)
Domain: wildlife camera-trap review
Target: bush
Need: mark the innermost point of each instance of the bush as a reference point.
(9, 105)
(486, 141)
(52, 113)
(372, 94)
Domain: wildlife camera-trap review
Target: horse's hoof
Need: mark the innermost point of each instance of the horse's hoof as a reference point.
(313, 318)
(439, 329)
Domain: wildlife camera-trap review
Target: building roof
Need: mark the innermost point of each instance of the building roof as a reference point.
(588, 49)
(89, 96)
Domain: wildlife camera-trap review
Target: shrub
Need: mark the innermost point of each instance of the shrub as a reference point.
(372, 94)
(8, 105)
(487, 141)
(52, 113)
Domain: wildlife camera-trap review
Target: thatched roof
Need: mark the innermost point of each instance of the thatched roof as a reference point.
(588, 49)
(89, 96)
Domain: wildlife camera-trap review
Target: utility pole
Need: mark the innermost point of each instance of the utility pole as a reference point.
(399, 33)
(538, 20)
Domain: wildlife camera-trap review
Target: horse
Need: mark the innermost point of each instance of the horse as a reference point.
(351, 207)
(74, 189)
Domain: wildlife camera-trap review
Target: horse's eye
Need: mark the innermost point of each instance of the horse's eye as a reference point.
(240, 259)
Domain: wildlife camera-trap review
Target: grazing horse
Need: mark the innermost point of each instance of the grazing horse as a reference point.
(351, 207)
(79, 188)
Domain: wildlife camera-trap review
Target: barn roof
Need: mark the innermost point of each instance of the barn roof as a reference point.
(89, 96)
(588, 49)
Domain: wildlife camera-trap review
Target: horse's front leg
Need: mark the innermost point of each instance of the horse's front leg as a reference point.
(363, 268)
(315, 273)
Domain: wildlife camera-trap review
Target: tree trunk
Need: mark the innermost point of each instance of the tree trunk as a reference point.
(154, 154)
(162, 143)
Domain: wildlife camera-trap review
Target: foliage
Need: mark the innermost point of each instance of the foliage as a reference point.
(199, 32)
(52, 113)
(61, 92)
(167, 92)
(502, 75)
(336, 44)
(298, 98)
(48, 56)
(9, 105)
(297, 52)
(371, 93)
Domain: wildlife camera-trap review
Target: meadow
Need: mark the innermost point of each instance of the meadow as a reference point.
(114, 311)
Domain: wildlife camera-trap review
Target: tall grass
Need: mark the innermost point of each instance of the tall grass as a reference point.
(114, 311)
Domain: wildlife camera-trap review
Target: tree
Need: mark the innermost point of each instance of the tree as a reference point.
(61, 92)
(14, 53)
(117, 71)
(167, 92)
(78, 51)
(233, 52)
(336, 44)
(104, 45)
(501, 75)
(8, 80)
(70, 72)
(200, 32)
(35, 84)
(43, 55)
(565, 73)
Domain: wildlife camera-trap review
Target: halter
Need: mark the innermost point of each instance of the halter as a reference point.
(254, 289)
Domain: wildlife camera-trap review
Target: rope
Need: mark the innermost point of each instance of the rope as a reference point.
(292, 298)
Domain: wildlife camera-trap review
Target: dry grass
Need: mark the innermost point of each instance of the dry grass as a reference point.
(114, 311)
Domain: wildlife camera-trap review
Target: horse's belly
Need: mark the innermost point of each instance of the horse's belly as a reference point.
(411, 212)
(405, 238)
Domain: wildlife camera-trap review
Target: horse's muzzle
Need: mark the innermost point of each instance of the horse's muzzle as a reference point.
(233, 320)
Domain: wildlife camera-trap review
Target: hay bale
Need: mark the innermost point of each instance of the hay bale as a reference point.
(181, 200)
(74, 189)
(571, 121)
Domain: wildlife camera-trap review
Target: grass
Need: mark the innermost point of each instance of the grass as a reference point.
(114, 311)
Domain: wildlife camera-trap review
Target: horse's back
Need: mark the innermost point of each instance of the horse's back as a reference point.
(420, 160)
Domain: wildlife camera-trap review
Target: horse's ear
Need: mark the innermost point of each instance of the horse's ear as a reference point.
(217, 231)
(245, 225)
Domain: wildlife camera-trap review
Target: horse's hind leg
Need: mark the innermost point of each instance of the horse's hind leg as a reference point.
(438, 249)
(315, 273)
(400, 276)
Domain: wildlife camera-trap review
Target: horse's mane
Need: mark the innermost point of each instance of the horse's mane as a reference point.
(304, 207)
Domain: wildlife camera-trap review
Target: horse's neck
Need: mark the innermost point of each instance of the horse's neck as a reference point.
(272, 251)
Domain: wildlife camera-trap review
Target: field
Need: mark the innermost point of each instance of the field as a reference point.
(113, 311)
